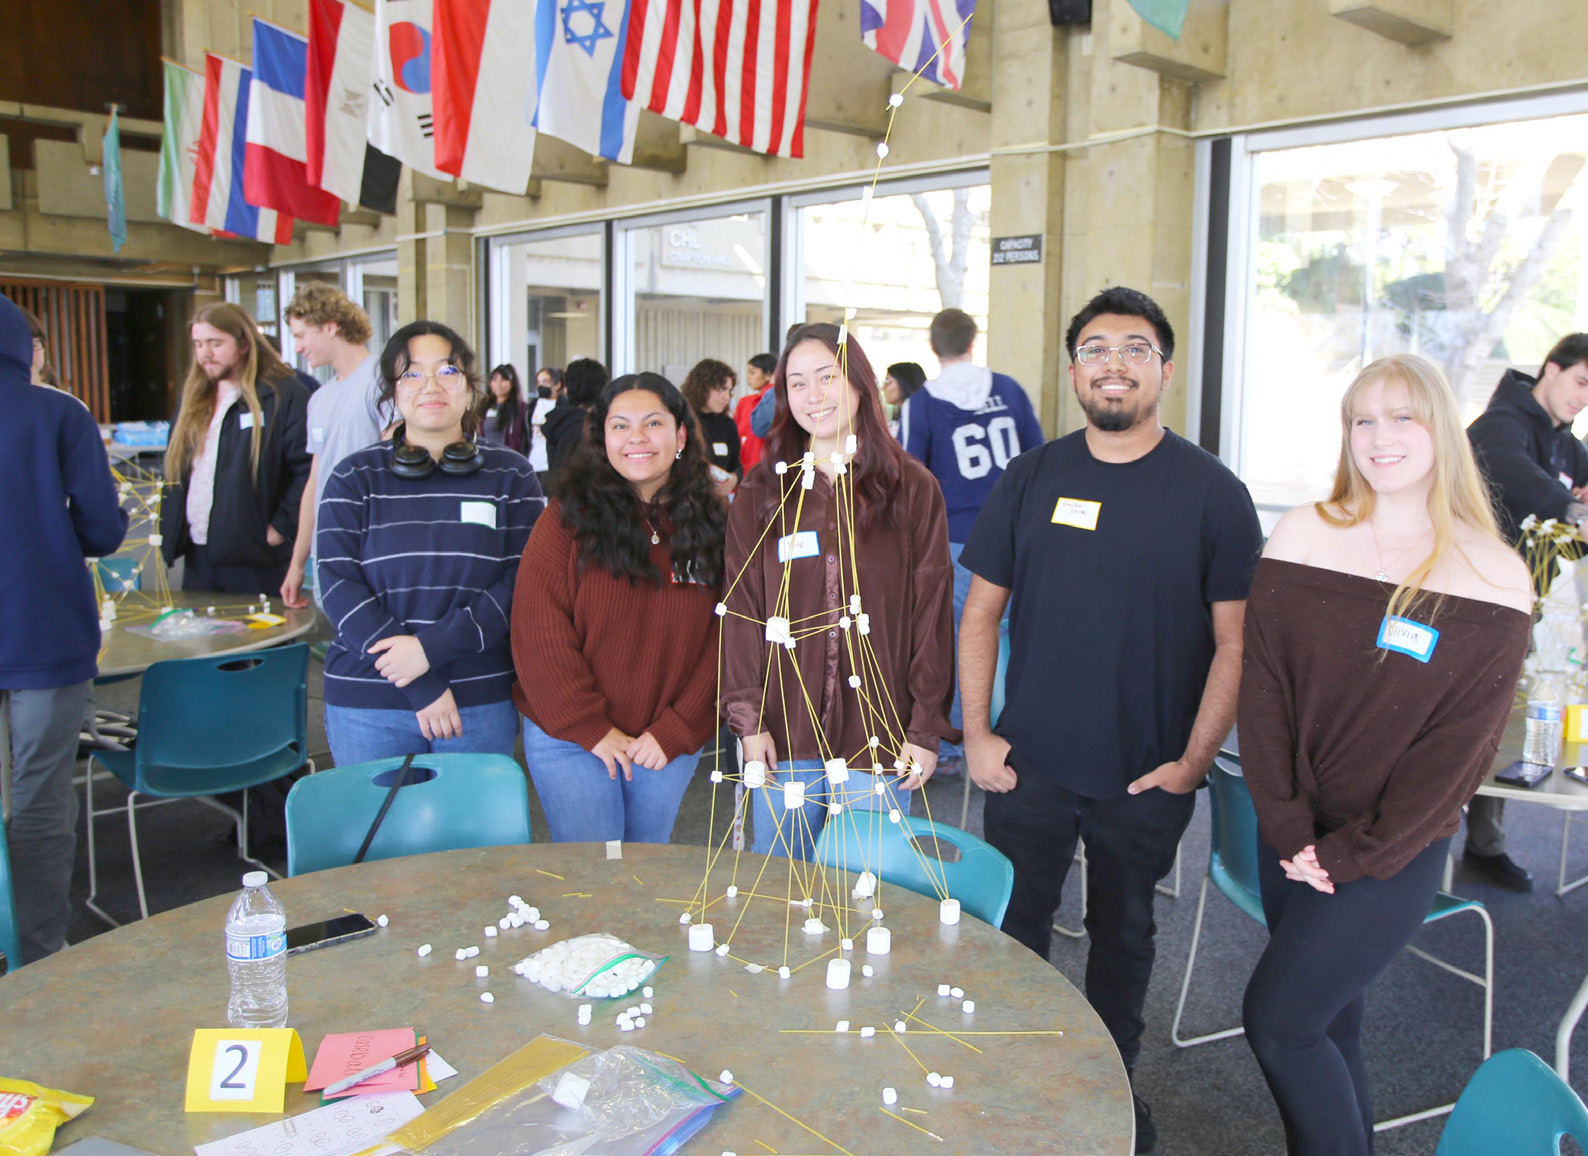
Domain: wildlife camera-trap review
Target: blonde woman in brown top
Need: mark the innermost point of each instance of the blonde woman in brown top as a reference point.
(1384, 636)
(857, 567)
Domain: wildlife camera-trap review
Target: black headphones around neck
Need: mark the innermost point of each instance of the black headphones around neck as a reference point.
(414, 462)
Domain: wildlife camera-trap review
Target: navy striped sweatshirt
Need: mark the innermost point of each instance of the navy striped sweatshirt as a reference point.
(434, 557)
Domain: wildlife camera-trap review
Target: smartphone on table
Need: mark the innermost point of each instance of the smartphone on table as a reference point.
(312, 936)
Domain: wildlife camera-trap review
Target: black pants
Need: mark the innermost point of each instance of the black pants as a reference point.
(199, 573)
(1303, 1011)
(1130, 845)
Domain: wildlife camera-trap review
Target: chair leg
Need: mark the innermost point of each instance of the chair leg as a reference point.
(1079, 932)
(93, 859)
(1173, 892)
(137, 863)
(1562, 887)
(1185, 984)
(1568, 1024)
(964, 805)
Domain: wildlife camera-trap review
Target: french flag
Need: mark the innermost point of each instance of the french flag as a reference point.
(274, 171)
(921, 36)
(481, 87)
(218, 201)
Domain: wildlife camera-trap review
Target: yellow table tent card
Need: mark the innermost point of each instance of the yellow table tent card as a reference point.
(241, 1070)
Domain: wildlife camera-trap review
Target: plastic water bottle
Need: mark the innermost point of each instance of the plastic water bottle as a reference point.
(1541, 747)
(256, 955)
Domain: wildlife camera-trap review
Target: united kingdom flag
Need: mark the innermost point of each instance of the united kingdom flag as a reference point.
(925, 36)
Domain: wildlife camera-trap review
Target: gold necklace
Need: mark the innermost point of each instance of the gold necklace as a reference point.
(1382, 573)
(656, 538)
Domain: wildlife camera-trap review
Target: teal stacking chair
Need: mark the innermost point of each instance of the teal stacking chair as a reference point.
(907, 853)
(10, 944)
(1232, 868)
(450, 801)
(207, 726)
(1516, 1105)
(995, 707)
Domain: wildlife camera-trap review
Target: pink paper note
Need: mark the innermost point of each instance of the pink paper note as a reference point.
(342, 1054)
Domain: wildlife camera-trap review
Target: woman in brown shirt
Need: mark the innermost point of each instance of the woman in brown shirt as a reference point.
(838, 644)
(1385, 631)
(613, 632)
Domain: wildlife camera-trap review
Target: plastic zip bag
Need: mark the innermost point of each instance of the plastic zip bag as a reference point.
(178, 624)
(597, 966)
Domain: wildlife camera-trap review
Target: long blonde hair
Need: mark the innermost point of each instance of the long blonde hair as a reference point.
(256, 360)
(1458, 492)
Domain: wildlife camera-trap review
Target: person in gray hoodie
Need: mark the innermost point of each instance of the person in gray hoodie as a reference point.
(60, 509)
(1533, 465)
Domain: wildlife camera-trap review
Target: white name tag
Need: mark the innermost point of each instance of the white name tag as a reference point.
(1077, 512)
(1565, 480)
(245, 420)
(317, 437)
(800, 545)
(480, 513)
(720, 449)
(1404, 636)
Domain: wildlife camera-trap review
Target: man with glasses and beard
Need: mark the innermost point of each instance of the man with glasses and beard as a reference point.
(1124, 554)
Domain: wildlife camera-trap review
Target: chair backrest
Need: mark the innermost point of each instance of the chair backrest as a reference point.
(995, 706)
(462, 801)
(10, 945)
(1233, 865)
(222, 723)
(1514, 1104)
(901, 853)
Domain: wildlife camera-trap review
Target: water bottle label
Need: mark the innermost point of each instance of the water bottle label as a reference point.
(1543, 712)
(246, 948)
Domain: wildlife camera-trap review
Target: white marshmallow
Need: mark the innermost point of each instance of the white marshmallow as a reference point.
(685, 918)
(481, 971)
(942, 989)
(968, 1006)
(889, 1096)
(647, 992)
(854, 682)
(645, 1009)
(893, 815)
(381, 921)
(900, 1026)
(846, 944)
(540, 925)
(571, 1091)
(424, 950)
(716, 776)
(837, 771)
(473, 951)
(700, 937)
(948, 1082)
(865, 885)
(957, 992)
(934, 1079)
(841, 1026)
(867, 970)
(793, 795)
(490, 932)
(725, 1076)
(778, 630)
(876, 913)
(461, 954)
(837, 974)
(732, 891)
(867, 1032)
(948, 912)
(487, 997)
(755, 774)
(879, 941)
(722, 949)
(783, 972)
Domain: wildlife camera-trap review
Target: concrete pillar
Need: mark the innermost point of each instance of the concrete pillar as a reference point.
(449, 269)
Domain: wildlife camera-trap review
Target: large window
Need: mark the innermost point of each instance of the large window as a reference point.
(896, 259)
(1458, 236)
(370, 280)
(546, 299)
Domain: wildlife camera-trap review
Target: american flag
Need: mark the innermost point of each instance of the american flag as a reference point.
(739, 69)
(910, 32)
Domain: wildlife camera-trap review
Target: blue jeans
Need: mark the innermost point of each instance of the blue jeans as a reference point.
(359, 734)
(780, 831)
(584, 805)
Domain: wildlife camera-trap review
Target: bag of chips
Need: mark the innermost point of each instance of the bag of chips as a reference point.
(30, 1114)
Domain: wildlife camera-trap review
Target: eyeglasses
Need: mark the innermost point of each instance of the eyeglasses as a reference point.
(1133, 353)
(448, 377)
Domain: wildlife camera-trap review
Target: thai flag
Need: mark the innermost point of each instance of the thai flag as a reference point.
(218, 201)
(924, 36)
(274, 171)
(482, 90)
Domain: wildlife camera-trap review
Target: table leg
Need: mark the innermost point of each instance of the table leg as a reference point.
(1568, 1024)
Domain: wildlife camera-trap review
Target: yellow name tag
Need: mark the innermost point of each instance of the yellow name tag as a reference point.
(1077, 512)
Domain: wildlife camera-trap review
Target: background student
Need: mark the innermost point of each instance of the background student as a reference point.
(504, 414)
(708, 388)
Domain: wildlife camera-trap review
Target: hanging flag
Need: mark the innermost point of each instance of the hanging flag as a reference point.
(739, 69)
(274, 173)
(921, 36)
(336, 94)
(579, 55)
(1168, 16)
(482, 90)
(400, 120)
(184, 119)
(115, 195)
(218, 202)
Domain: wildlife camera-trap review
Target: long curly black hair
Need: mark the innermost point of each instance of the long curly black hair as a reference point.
(606, 518)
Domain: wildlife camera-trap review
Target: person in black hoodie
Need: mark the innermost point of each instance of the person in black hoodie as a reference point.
(237, 460)
(1533, 465)
(60, 508)
(582, 383)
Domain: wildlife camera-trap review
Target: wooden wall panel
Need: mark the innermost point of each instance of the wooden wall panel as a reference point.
(74, 319)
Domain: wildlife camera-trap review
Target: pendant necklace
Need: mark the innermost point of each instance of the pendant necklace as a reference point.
(1382, 573)
(656, 538)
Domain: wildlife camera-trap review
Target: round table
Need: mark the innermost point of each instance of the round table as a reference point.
(123, 652)
(113, 1017)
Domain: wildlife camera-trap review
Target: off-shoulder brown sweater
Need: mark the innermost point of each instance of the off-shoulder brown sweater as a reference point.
(1370, 759)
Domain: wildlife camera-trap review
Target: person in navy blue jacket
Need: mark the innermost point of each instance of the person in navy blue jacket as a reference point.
(60, 509)
(966, 425)
(418, 548)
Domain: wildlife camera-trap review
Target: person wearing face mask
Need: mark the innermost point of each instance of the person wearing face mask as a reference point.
(614, 629)
(870, 526)
(418, 547)
(1533, 465)
(1383, 640)
(565, 422)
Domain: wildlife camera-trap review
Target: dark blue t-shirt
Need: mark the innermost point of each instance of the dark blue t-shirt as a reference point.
(1110, 627)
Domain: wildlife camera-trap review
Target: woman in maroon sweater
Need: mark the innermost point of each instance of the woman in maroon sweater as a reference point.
(614, 632)
(849, 557)
(1384, 635)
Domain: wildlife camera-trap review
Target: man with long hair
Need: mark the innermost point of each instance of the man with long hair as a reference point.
(237, 460)
(344, 414)
(1125, 554)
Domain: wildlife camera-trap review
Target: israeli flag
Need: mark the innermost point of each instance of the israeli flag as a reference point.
(579, 47)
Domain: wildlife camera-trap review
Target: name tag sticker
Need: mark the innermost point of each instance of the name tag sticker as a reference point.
(800, 545)
(317, 436)
(245, 421)
(1077, 512)
(1404, 636)
(1565, 480)
(480, 513)
(720, 449)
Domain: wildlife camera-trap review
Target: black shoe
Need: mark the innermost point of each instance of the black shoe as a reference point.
(1146, 1130)
(1501, 870)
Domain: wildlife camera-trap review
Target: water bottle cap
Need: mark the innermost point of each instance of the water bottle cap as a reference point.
(255, 879)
